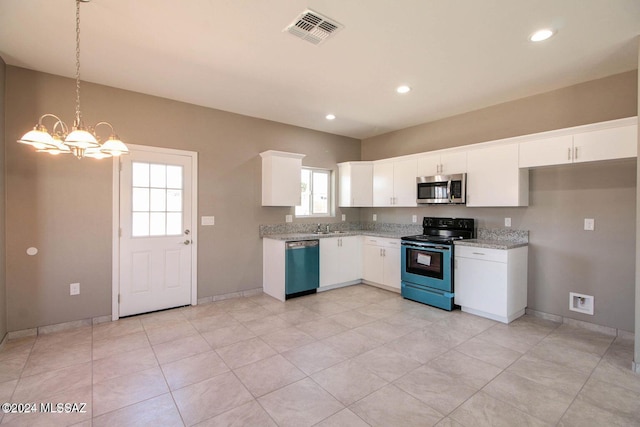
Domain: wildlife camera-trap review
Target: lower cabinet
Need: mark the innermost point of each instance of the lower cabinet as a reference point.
(381, 262)
(491, 283)
(340, 260)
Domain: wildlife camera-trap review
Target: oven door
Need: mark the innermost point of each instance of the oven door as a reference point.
(427, 265)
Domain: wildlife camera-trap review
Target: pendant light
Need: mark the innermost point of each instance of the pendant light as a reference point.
(81, 141)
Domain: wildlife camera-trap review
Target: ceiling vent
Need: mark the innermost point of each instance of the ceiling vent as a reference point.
(313, 27)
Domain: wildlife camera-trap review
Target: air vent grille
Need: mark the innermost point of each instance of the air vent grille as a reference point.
(313, 27)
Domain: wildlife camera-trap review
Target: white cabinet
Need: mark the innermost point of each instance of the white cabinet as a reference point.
(442, 163)
(281, 178)
(494, 177)
(394, 183)
(491, 282)
(340, 260)
(617, 142)
(273, 268)
(381, 262)
(356, 184)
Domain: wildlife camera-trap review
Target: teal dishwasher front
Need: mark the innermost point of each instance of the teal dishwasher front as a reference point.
(302, 267)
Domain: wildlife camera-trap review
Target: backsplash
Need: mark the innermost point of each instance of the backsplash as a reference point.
(503, 234)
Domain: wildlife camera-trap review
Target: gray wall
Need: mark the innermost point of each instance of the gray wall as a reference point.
(3, 293)
(562, 257)
(62, 206)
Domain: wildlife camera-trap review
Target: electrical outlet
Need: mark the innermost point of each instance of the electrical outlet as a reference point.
(288, 218)
(414, 218)
(581, 303)
(507, 222)
(208, 220)
(375, 217)
(74, 289)
(344, 217)
(589, 224)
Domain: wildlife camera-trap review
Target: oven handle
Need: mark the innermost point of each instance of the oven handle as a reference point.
(443, 248)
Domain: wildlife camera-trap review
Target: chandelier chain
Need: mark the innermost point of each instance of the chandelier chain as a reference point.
(78, 113)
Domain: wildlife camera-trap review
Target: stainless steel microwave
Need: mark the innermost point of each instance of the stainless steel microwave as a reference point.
(442, 189)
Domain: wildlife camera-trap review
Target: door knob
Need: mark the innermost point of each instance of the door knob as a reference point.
(186, 242)
(187, 232)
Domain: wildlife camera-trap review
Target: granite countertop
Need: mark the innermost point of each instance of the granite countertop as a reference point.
(491, 244)
(314, 236)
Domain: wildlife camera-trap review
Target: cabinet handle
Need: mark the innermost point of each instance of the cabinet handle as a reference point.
(575, 155)
(478, 253)
(384, 252)
(569, 153)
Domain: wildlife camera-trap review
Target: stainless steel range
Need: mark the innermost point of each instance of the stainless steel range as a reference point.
(427, 260)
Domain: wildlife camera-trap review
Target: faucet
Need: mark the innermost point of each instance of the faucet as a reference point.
(318, 230)
(327, 228)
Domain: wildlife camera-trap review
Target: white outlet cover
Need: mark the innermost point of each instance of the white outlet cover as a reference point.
(414, 218)
(288, 218)
(507, 222)
(344, 217)
(208, 220)
(589, 224)
(375, 217)
(74, 288)
(581, 303)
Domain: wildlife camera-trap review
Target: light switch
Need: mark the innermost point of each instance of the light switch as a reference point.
(589, 224)
(288, 218)
(375, 217)
(414, 218)
(208, 220)
(507, 222)
(344, 217)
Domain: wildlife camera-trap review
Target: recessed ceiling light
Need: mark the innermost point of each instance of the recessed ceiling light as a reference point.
(403, 89)
(541, 35)
(330, 117)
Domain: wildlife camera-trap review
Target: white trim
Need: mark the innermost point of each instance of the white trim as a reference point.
(115, 253)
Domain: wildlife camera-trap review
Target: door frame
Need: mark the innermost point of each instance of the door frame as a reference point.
(115, 254)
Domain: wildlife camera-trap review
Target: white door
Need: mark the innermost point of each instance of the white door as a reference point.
(156, 239)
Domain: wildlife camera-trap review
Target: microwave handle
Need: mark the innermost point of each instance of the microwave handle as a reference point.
(449, 190)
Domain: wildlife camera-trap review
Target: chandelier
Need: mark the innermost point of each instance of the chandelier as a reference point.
(81, 141)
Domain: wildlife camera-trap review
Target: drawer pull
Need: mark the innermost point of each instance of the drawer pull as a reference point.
(478, 253)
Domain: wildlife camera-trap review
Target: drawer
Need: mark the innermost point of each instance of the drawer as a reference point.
(382, 241)
(486, 254)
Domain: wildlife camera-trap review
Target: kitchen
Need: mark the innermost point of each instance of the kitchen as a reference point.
(564, 259)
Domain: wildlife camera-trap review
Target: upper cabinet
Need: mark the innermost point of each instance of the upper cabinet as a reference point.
(494, 177)
(281, 177)
(446, 163)
(356, 184)
(394, 183)
(616, 139)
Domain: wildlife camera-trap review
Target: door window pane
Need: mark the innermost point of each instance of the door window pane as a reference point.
(156, 200)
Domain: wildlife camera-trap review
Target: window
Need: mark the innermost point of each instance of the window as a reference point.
(315, 187)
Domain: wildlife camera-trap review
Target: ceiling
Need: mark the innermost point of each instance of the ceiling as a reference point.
(232, 55)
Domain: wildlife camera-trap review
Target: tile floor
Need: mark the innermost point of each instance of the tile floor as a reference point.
(354, 356)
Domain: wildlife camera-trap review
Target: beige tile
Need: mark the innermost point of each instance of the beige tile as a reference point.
(429, 313)
(529, 396)
(249, 314)
(344, 418)
(466, 323)
(10, 369)
(582, 413)
(621, 376)
(426, 344)
(327, 308)
(442, 391)
(211, 323)
(323, 328)
(465, 369)
(18, 348)
(386, 363)
(286, 339)
(303, 403)
(162, 319)
(352, 319)
(612, 398)
(377, 310)
(40, 387)
(180, 348)
(193, 369)
(450, 422)
(351, 344)
(119, 392)
(245, 352)
(391, 406)
(170, 333)
(200, 401)
(565, 355)
(63, 339)
(549, 374)
(581, 339)
(250, 414)
(49, 358)
(201, 311)
(268, 375)
(123, 364)
(482, 410)
(6, 390)
(348, 381)
(489, 352)
(157, 411)
(118, 345)
(517, 336)
(314, 357)
(383, 331)
(235, 304)
(117, 329)
(299, 315)
(228, 335)
(266, 325)
(404, 319)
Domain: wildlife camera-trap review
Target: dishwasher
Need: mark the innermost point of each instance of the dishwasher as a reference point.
(302, 268)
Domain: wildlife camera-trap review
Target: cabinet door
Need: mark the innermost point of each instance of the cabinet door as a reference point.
(481, 285)
(451, 163)
(495, 179)
(429, 165)
(351, 258)
(330, 262)
(606, 144)
(545, 152)
(404, 182)
(392, 267)
(362, 185)
(383, 184)
(372, 267)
